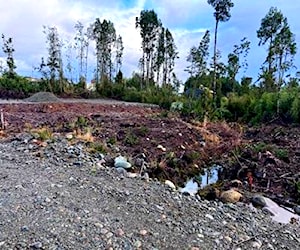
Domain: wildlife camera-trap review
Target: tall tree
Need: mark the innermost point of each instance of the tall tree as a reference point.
(198, 57)
(54, 60)
(81, 43)
(149, 26)
(235, 62)
(8, 49)
(104, 34)
(160, 53)
(275, 32)
(119, 53)
(169, 59)
(221, 14)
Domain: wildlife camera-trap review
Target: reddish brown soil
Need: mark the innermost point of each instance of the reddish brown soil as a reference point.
(271, 153)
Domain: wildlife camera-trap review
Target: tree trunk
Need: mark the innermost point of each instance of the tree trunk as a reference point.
(215, 61)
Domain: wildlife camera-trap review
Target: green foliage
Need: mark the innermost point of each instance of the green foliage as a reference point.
(97, 147)
(44, 134)
(295, 110)
(18, 87)
(112, 140)
(281, 154)
(262, 147)
(81, 122)
(131, 139)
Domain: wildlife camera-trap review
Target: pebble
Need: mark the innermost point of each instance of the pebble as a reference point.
(257, 244)
(119, 232)
(103, 231)
(170, 184)
(36, 245)
(138, 244)
(24, 229)
(297, 210)
(143, 232)
(209, 216)
(228, 239)
(109, 235)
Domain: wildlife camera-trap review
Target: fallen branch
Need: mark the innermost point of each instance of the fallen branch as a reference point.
(2, 119)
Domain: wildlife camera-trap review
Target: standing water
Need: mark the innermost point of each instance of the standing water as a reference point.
(210, 176)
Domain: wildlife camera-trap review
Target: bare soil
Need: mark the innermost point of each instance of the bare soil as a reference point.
(173, 148)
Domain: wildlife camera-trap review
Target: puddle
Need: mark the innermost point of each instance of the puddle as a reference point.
(191, 187)
(210, 176)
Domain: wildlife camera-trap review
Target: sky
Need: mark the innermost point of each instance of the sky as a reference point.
(23, 20)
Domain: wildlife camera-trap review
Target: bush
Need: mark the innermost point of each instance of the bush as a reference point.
(18, 87)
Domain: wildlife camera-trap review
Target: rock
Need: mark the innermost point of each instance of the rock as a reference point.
(143, 232)
(121, 162)
(297, 210)
(132, 175)
(170, 184)
(256, 244)
(162, 148)
(36, 245)
(258, 201)
(69, 136)
(121, 171)
(209, 216)
(24, 229)
(236, 183)
(138, 244)
(120, 232)
(230, 196)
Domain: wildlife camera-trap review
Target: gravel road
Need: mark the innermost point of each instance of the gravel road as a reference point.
(59, 196)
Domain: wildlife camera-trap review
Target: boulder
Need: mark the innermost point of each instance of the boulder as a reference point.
(230, 196)
(258, 201)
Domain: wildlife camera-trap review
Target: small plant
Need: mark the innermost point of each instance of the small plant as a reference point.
(97, 147)
(85, 135)
(27, 126)
(81, 122)
(131, 139)
(112, 140)
(262, 147)
(44, 134)
(281, 154)
(141, 131)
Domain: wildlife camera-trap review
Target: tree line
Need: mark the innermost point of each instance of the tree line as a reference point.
(212, 88)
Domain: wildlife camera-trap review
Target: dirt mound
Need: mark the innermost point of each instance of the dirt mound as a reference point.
(42, 97)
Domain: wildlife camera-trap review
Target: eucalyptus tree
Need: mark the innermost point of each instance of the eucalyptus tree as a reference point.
(238, 58)
(275, 32)
(119, 53)
(221, 14)
(149, 26)
(104, 34)
(169, 59)
(81, 45)
(198, 57)
(54, 60)
(8, 49)
(160, 53)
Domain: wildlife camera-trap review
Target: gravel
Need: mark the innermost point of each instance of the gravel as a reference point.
(58, 196)
(42, 97)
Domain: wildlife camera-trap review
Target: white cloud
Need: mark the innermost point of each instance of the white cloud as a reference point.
(187, 20)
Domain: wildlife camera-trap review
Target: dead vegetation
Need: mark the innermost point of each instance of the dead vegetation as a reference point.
(174, 149)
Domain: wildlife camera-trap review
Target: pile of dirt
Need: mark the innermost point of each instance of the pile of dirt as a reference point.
(42, 97)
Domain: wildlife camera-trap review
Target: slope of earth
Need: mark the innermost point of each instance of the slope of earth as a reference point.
(172, 148)
(59, 196)
(272, 154)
